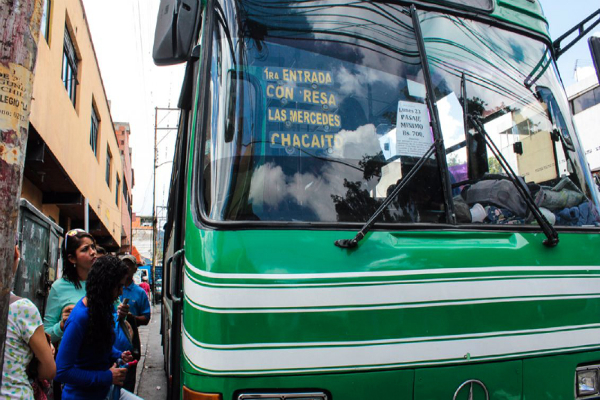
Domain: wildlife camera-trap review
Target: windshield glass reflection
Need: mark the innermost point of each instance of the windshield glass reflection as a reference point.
(318, 109)
(309, 132)
(509, 83)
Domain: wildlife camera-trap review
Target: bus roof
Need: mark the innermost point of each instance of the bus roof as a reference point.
(526, 14)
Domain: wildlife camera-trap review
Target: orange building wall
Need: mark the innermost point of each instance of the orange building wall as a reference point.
(66, 128)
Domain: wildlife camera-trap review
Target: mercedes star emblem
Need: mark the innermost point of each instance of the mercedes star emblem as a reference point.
(470, 383)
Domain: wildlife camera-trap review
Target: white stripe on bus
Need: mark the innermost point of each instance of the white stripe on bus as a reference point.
(380, 308)
(382, 282)
(399, 273)
(478, 335)
(393, 294)
(441, 350)
(403, 365)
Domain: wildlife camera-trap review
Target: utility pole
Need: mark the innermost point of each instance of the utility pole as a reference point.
(19, 34)
(154, 208)
(155, 229)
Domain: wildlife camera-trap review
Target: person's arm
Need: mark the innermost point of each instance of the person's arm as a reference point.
(115, 354)
(31, 330)
(123, 310)
(64, 315)
(142, 319)
(126, 356)
(66, 370)
(118, 375)
(52, 317)
(42, 350)
(144, 316)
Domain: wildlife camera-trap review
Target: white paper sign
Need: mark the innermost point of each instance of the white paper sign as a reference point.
(387, 143)
(413, 135)
(416, 89)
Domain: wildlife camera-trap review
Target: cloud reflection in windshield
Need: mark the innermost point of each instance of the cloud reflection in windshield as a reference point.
(271, 187)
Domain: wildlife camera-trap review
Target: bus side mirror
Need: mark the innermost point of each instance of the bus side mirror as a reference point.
(594, 43)
(176, 28)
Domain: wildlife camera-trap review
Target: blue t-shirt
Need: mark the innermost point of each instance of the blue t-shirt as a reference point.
(83, 368)
(138, 300)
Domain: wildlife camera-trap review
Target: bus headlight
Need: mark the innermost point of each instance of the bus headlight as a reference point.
(587, 381)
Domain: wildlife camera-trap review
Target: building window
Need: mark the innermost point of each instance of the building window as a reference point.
(585, 100)
(108, 166)
(94, 131)
(45, 25)
(125, 194)
(69, 67)
(117, 190)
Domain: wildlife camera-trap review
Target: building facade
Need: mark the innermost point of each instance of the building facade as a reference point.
(584, 99)
(123, 131)
(74, 171)
(143, 235)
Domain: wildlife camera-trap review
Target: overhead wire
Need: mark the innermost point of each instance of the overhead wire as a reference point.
(139, 50)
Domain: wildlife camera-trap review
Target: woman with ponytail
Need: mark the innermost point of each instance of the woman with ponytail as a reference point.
(86, 358)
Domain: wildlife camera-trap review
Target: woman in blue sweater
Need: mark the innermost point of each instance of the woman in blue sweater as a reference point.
(86, 357)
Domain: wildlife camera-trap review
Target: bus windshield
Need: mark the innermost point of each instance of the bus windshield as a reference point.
(318, 109)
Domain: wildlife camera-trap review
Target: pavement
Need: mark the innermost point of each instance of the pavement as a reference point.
(151, 380)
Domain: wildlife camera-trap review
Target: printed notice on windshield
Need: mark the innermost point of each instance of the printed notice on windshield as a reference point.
(413, 136)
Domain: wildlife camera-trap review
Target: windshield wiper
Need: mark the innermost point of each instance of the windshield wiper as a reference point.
(547, 228)
(351, 243)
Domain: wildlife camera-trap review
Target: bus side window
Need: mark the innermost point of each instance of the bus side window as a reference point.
(450, 111)
(214, 87)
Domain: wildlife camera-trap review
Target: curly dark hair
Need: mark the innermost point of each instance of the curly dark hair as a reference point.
(72, 242)
(103, 280)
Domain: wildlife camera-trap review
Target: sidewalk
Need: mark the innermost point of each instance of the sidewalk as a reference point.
(151, 381)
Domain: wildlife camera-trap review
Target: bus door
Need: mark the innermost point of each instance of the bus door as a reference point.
(175, 234)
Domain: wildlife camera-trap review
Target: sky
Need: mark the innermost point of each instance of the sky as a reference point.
(563, 15)
(123, 35)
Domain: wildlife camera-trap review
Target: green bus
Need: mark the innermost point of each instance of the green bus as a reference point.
(376, 200)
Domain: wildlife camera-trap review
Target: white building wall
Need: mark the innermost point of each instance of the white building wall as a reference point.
(142, 240)
(587, 122)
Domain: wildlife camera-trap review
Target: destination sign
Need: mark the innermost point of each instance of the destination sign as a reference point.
(310, 76)
(305, 117)
(303, 140)
(301, 95)
(302, 98)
